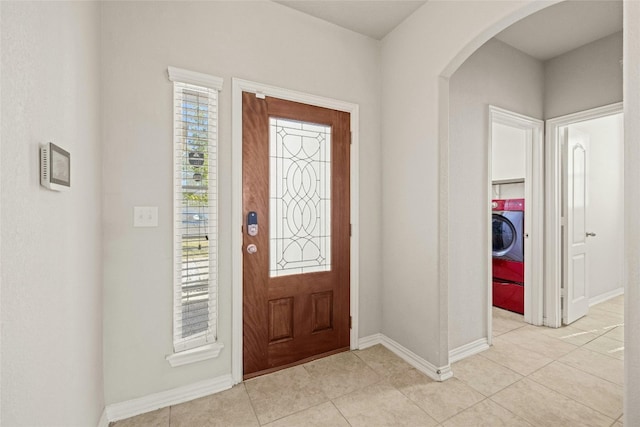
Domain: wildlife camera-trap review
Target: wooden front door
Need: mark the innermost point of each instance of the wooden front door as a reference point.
(296, 263)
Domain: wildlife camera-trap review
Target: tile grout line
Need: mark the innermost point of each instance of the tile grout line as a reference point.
(416, 404)
(571, 398)
(385, 378)
(590, 373)
(340, 412)
(379, 379)
(497, 391)
(465, 410)
(505, 367)
(297, 412)
(558, 360)
(619, 420)
(509, 410)
(253, 408)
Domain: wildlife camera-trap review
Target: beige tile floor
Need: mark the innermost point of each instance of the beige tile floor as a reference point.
(531, 376)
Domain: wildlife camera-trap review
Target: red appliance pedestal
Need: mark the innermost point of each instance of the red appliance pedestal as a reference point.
(508, 271)
(509, 296)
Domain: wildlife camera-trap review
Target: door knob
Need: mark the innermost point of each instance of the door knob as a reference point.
(252, 249)
(590, 234)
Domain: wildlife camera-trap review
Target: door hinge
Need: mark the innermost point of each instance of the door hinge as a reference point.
(351, 137)
(350, 322)
(350, 230)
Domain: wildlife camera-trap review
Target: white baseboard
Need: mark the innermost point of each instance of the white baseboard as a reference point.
(103, 422)
(606, 296)
(133, 407)
(437, 373)
(370, 341)
(467, 350)
(422, 365)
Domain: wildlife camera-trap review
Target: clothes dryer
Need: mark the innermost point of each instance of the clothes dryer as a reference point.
(508, 254)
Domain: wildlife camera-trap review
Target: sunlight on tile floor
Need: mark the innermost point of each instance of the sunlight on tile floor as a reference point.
(531, 376)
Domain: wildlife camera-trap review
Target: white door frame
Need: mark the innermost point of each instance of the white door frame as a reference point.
(534, 211)
(239, 86)
(553, 200)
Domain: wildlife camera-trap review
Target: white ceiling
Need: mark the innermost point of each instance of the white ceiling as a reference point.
(372, 18)
(564, 27)
(544, 35)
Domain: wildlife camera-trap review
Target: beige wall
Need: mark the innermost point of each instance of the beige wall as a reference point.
(631, 96)
(587, 77)
(51, 241)
(260, 41)
(498, 75)
(417, 59)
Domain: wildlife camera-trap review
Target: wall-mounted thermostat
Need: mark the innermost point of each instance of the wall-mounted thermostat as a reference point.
(55, 167)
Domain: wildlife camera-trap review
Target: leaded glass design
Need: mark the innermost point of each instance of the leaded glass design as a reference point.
(300, 197)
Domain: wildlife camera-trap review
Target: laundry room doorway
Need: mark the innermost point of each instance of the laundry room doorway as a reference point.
(585, 205)
(515, 186)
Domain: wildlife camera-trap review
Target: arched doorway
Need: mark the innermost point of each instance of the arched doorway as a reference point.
(632, 189)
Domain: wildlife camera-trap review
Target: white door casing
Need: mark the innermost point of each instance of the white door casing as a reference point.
(553, 251)
(575, 201)
(534, 211)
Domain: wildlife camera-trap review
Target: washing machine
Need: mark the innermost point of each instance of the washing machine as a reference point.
(507, 224)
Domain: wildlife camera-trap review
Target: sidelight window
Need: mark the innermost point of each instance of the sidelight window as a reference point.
(195, 224)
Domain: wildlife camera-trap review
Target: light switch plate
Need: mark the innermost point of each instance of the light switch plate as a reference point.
(145, 216)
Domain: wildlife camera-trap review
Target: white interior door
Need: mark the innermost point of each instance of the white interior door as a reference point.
(575, 249)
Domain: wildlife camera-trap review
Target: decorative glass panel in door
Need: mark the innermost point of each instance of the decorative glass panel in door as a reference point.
(295, 190)
(300, 197)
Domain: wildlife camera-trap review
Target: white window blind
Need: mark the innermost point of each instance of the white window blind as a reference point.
(195, 209)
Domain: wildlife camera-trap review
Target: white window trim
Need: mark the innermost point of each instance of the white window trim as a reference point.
(206, 346)
(197, 354)
(195, 78)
